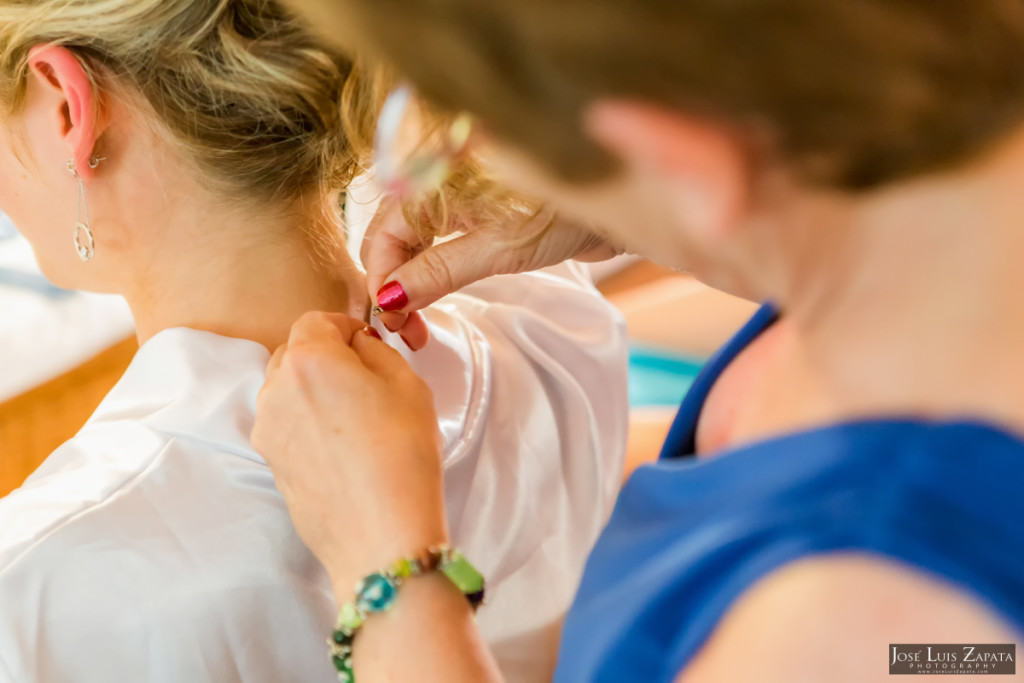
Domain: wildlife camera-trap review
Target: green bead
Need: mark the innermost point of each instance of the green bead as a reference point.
(464, 575)
(349, 618)
(342, 664)
(402, 569)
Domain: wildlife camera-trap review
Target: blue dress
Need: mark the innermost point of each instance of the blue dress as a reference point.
(688, 537)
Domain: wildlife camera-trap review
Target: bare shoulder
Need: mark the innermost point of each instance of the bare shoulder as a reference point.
(834, 617)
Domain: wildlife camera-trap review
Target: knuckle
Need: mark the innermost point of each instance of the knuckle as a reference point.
(344, 322)
(312, 319)
(306, 361)
(261, 403)
(394, 243)
(437, 270)
(261, 440)
(266, 401)
(312, 369)
(256, 437)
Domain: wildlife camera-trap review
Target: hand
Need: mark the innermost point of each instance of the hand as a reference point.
(351, 435)
(394, 252)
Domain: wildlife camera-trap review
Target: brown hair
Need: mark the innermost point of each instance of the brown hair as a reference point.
(853, 93)
(267, 110)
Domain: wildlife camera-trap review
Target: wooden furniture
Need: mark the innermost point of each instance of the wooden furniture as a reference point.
(35, 423)
(648, 428)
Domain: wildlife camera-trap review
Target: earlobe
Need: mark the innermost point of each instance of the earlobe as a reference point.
(58, 69)
(702, 163)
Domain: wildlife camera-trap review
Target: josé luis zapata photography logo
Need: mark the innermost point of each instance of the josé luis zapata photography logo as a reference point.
(950, 660)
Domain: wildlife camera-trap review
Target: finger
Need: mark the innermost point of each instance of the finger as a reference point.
(601, 251)
(443, 269)
(415, 332)
(390, 241)
(273, 370)
(449, 266)
(321, 328)
(378, 357)
(388, 219)
(276, 359)
(410, 326)
(393, 321)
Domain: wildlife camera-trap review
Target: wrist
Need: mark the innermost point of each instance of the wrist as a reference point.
(378, 593)
(346, 569)
(430, 636)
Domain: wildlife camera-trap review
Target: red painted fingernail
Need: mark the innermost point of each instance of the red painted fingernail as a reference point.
(373, 333)
(392, 297)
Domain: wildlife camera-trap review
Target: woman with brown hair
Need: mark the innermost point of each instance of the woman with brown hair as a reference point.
(856, 164)
(191, 155)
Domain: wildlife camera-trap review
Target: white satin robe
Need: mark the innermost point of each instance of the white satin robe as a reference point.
(154, 547)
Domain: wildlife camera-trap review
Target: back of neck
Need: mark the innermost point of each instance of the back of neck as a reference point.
(249, 289)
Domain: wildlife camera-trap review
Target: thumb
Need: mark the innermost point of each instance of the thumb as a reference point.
(543, 240)
(449, 266)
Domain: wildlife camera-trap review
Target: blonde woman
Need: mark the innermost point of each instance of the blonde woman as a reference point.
(189, 155)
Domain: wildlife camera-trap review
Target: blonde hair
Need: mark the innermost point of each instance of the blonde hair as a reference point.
(264, 109)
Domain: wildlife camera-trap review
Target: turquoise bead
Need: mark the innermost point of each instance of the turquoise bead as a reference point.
(376, 593)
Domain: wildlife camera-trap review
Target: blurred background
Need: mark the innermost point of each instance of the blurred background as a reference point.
(61, 352)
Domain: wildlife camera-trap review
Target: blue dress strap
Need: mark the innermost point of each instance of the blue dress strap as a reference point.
(681, 439)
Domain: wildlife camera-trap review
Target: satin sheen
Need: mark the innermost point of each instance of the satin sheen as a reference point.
(154, 547)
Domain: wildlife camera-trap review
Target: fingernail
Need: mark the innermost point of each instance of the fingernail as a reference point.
(390, 329)
(372, 333)
(407, 342)
(392, 297)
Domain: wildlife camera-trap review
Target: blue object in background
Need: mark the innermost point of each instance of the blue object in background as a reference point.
(658, 377)
(24, 279)
(18, 279)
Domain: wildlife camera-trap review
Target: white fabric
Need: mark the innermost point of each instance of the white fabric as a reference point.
(46, 332)
(154, 547)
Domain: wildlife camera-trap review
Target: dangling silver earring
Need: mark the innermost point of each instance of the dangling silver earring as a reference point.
(85, 245)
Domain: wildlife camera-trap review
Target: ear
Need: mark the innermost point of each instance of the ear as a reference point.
(58, 71)
(703, 163)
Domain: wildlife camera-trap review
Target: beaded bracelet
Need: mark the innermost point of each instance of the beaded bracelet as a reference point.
(378, 592)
